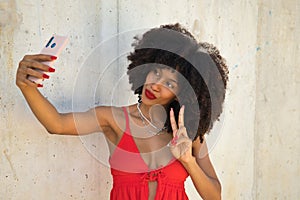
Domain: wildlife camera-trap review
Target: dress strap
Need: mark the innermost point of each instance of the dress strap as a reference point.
(127, 130)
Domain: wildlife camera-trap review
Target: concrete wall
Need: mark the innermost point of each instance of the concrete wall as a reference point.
(256, 146)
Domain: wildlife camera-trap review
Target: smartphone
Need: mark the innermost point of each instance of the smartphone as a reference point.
(53, 47)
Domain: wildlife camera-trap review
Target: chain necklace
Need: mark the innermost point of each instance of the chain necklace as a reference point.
(143, 118)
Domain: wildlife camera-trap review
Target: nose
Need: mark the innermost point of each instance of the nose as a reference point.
(156, 86)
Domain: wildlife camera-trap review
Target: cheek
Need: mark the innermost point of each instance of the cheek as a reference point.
(169, 93)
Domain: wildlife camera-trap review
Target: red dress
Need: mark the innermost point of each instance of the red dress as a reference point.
(131, 174)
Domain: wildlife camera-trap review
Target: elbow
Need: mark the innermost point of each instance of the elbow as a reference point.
(54, 130)
(51, 132)
(60, 130)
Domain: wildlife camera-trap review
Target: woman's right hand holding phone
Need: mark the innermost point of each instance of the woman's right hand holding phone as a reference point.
(32, 66)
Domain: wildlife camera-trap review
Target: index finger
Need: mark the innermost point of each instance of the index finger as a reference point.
(40, 57)
(181, 117)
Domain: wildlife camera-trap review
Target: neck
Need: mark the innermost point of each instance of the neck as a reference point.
(157, 124)
(145, 110)
(155, 114)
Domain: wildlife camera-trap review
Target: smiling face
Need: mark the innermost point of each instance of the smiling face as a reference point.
(161, 86)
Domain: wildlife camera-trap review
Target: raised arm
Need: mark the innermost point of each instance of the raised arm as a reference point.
(202, 172)
(188, 153)
(45, 112)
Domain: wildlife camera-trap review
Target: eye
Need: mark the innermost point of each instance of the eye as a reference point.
(170, 85)
(156, 72)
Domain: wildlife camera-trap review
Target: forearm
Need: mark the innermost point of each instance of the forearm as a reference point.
(207, 187)
(44, 111)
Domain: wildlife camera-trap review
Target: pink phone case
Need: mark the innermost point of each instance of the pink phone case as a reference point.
(53, 47)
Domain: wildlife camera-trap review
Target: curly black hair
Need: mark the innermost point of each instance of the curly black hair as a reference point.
(204, 74)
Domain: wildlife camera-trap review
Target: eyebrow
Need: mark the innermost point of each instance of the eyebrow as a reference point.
(173, 81)
(172, 71)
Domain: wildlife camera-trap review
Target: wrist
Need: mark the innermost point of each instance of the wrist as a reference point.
(189, 161)
(25, 88)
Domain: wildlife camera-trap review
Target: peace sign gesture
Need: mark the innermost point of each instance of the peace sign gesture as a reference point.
(181, 144)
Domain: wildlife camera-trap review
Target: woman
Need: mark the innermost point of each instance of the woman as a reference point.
(154, 144)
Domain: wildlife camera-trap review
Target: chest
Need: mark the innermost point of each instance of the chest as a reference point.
(154, 150)
(150, 150)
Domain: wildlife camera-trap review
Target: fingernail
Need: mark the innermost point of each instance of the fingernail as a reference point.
(51, 69)
(45, 76)
(53, 57)
(39, 85)
(174, 140)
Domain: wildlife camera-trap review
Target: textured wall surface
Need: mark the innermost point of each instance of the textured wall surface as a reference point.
(277, 116)
(255, 148)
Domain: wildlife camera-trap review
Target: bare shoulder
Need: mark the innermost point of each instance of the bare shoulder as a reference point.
(111, 119)
(109, 114)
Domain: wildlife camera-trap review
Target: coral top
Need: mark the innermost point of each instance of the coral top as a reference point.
(131, 174)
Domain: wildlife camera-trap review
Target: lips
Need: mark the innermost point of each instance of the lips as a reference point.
(149, 95)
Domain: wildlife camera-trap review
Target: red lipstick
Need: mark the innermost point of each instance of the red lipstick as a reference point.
(149, 95)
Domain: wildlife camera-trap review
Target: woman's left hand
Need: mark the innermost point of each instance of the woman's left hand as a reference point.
(181, 144)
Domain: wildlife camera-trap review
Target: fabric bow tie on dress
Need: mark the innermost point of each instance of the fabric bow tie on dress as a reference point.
(156, 175)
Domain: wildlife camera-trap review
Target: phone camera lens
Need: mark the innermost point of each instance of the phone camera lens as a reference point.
(49, 41)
